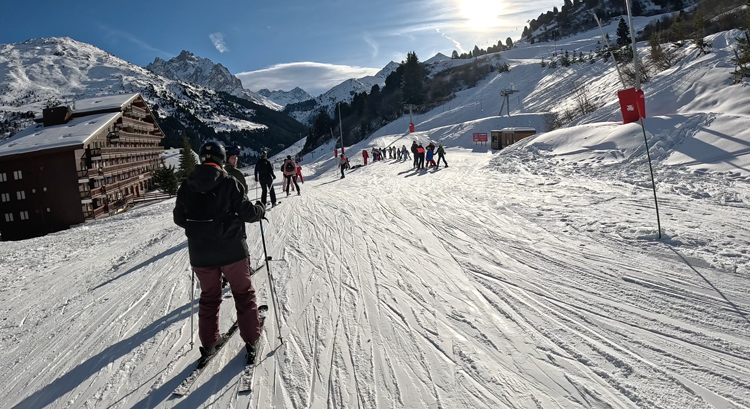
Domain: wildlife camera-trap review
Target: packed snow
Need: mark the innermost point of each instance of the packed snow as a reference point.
(531, 277)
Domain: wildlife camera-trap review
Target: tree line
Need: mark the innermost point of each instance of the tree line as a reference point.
(407, 86)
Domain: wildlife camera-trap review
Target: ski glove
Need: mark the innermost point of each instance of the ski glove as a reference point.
(260, 209)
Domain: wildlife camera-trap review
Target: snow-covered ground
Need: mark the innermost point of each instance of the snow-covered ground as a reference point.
(527, 278)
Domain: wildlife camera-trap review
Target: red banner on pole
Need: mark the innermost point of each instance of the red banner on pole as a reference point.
(479, 136)
(411, 127)
(632, 105)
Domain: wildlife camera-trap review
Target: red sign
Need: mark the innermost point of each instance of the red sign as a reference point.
(411, 127)
(479, 136)
(632, 105)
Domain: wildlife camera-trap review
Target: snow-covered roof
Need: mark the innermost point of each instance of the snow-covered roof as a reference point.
(104, 103)
(515, 129)
(76, 132)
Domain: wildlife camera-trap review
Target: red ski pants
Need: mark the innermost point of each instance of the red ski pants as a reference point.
(238, 275)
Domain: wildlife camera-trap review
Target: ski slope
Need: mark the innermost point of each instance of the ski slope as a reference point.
(526, 278)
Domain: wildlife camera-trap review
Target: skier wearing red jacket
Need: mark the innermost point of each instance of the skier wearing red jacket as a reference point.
(365, 155)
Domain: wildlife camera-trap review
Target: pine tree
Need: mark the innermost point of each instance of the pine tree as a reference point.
(699, 33)
(623, 33)
(677, 31)
(454, 55)
(165, 179)
(657, 53)
(187, 160)
(637, 8)
(509, 42)
(412, 84)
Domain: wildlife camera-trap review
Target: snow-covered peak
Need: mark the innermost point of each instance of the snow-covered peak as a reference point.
(437, 58)
(284, 98)
(202, 71)
(345, 91)
(50, 71)
(187, 67)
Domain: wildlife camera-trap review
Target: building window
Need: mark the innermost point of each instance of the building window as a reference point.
(33, 190)
(45, 189)
(24, 215)
(48, 210)
(21, 195)
(8, 217)
(17, 175)
(3, 177)
(5, 197)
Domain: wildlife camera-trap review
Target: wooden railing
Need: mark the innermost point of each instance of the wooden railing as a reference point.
(147, 197)
(138, 124)
(136, 136)
(128, 149)
(113, 169)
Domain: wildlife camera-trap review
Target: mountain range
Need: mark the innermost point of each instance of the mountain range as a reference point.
(189, 95)
(285, 98)
(306, 111)
(186, 67)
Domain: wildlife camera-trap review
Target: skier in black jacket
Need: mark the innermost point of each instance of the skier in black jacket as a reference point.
(264, 174)
(212, 208)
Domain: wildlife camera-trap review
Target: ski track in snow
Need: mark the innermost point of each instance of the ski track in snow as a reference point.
(497, 290)
(528, 278)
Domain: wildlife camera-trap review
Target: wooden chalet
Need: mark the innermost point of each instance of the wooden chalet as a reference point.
(76, 164)
(508, 136)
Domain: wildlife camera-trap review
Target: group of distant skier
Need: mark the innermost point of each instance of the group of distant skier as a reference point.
(419, 153)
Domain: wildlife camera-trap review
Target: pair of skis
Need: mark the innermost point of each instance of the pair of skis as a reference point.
(246, 378)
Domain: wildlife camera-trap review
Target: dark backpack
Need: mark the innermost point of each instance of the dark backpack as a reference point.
(203, 216)
(289, 166)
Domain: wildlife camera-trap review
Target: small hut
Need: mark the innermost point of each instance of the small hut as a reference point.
(507, 136)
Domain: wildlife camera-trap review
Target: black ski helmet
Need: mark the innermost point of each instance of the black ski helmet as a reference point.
(212, 152)
(233, 150)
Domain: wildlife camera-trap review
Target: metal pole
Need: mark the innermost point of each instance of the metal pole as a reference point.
(270, 280)
(653, 183)
(604, 37)
(341, 130)
(635, 53)
(192, 303)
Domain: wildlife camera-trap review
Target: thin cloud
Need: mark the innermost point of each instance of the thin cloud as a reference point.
(114, 34)
(371, 42)
(458, 45)
(313, 77)
(218, 40)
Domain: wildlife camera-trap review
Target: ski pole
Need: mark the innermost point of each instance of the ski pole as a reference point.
(270, 280)
(192, 304)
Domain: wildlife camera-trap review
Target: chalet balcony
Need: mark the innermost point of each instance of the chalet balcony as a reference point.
(125, 151)
(135, 137)
(114, 169)
(138, 125)
(93, 193)
(111, 187)
(136, 112)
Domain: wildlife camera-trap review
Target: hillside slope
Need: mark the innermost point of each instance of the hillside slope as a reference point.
(528, 277)
(51, 71)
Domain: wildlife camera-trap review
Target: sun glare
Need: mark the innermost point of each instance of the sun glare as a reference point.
(482, 13)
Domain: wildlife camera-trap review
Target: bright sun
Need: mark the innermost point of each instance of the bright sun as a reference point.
(482, 13)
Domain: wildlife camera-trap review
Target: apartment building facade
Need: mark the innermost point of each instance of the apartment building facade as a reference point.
(77, 163)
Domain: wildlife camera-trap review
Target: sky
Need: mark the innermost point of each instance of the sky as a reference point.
(277, 44)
